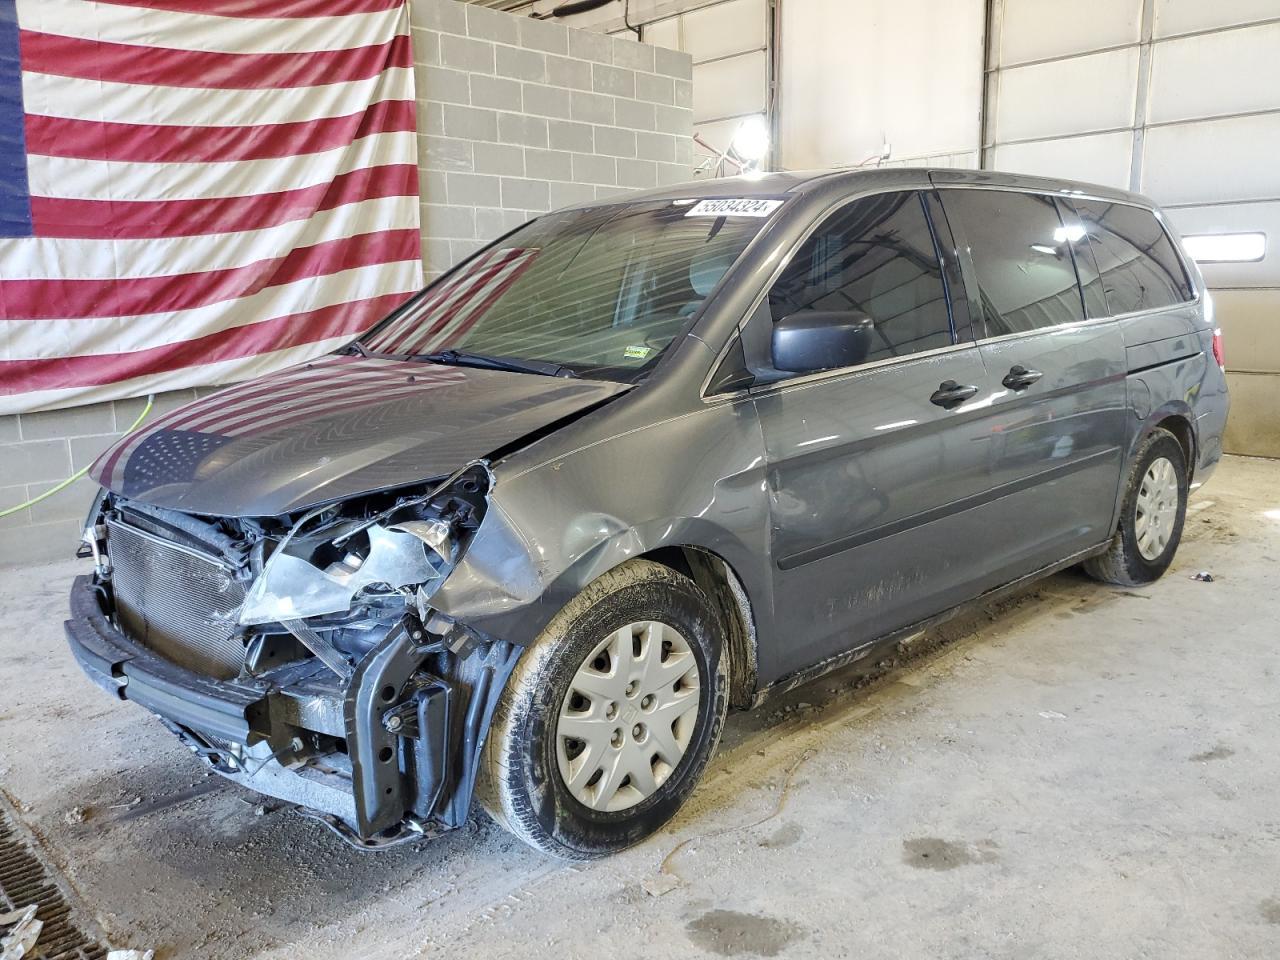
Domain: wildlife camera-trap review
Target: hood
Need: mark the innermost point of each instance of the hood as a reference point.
(331, 429)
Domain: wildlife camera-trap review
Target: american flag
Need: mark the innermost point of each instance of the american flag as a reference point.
(453, 306)
(198, 191)
(171, 448)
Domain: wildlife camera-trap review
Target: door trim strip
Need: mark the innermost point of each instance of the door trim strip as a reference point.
(1164, 363)
(821, 552)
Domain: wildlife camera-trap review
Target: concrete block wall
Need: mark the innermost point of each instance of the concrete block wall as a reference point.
(518, 116)
(39, 450)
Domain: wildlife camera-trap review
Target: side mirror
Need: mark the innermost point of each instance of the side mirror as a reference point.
(813, 340)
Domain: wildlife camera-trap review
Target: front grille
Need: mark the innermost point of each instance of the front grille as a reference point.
(176, 602)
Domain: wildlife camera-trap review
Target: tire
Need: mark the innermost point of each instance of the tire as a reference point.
(1125, 562)
(522, 784)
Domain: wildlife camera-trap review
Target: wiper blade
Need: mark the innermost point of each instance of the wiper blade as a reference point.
(463, 358)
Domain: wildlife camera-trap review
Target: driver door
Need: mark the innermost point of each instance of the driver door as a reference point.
(869, 467)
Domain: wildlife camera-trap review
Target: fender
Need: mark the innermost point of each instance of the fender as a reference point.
(509, 585)
(554, 526)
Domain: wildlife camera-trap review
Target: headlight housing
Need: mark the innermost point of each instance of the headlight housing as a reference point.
(388, 546)
(291, 587)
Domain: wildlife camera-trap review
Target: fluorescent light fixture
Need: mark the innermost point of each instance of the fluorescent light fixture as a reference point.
(751, 141)
(1226, 247)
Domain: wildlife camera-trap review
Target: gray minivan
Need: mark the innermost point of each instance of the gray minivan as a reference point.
(635, 463)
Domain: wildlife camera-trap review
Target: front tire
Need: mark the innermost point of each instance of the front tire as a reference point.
(610, 717)
(1151, 517)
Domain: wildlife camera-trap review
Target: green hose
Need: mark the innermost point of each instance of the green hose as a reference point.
(79, 473)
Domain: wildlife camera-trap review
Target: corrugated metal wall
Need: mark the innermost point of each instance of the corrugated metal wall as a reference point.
(854, 75)
(857, 74)
(1179, 99)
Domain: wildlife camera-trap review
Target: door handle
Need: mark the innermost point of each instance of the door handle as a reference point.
(951, 394)
(1020, 377)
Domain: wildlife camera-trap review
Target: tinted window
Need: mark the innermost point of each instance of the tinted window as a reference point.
(1022, 257)
(1095, 301)
(875, 256)
(1140, 269)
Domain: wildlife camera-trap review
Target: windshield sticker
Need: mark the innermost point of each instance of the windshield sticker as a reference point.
(744, 207)
(637, 353)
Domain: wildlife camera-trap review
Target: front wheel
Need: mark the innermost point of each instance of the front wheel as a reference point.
(610, 717)
(1151, 517)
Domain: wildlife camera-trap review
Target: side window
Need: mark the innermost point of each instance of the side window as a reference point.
(1140, 268)
(1022, 258)
(1095, 301)
(875, 256)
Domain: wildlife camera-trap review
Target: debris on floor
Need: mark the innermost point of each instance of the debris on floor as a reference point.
(661, 883)
(20, 941)
(1204, 576)
(75, 816)
(131, 955)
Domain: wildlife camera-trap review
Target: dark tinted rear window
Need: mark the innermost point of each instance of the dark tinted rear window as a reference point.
(1140, 268)
(1022, 257)
(876, 256)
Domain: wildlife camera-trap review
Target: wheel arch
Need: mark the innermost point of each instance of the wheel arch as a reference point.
(1179, 424)
(510, 584)
(1175, 418)
(720, 581)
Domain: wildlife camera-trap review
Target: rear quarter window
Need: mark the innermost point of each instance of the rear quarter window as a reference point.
(1139, 266)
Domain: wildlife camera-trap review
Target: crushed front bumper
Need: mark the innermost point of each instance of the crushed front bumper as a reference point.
(388, 755)
(132, 672)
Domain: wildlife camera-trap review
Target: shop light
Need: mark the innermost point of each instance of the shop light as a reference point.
(1226, 247)
(751, 141)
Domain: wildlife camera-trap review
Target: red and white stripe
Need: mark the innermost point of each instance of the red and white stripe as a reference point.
(219, 188)
(299, 395)
(454, 306)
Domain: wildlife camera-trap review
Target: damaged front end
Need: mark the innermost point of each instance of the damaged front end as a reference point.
(301, 656)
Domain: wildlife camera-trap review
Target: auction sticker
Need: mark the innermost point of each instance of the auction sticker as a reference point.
(744, 207)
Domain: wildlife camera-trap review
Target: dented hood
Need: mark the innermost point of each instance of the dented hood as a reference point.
(331, 429)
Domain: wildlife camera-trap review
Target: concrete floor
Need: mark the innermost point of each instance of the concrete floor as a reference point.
(1083, 772)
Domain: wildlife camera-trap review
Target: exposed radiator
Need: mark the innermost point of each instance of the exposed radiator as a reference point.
(176, 602)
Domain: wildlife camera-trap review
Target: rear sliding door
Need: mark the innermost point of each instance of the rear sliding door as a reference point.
(1058, 413)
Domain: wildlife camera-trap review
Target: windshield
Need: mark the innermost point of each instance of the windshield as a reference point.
(600, 291)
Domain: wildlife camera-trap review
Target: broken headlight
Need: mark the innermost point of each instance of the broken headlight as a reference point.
(334, 557)
(404, 555)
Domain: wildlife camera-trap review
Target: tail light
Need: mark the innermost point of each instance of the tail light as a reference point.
(1217, 348)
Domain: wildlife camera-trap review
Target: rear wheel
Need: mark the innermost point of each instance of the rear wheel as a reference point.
(1151, 517)
(610, 716)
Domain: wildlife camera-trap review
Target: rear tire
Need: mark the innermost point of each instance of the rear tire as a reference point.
(1151, 517)
(602, 641)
